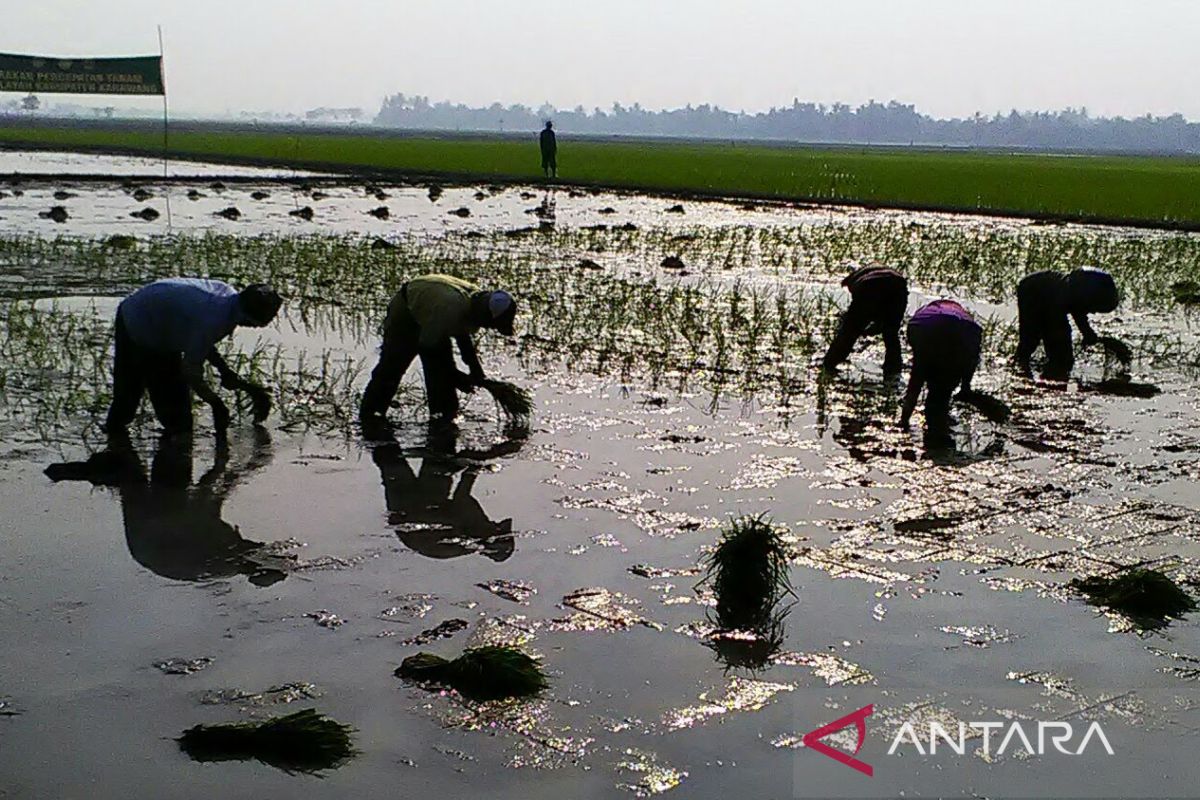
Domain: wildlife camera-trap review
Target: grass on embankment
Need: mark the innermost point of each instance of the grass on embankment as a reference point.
(1137, 190)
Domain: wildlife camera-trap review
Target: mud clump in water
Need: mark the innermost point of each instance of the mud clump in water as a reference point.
(481, 673)
(148, 214)
(194, 194)
(305, 742)
(672, 262)
(63, 195)
(381, 212)
(56, 213)
(120, 241)
(675, 209)
(305, 213)
(443, 630)
(1116, 387)
(1147, 597)
(382, 244)
(435, 192)
(229, 213)
(259, 195)
(461, 212)
(141, 195)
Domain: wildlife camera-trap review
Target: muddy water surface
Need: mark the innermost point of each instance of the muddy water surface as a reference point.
(297, 570)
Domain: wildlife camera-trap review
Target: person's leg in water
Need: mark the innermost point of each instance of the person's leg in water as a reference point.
(129, 380)
(441, 381)
(1060, 354)
(170, 392)
(1030, 332)
(400, 337)
(890, 319)
(940, 389)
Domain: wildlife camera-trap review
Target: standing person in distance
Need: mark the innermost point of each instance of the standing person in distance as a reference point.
(165, 331)
(549, 146)
(1046, 299)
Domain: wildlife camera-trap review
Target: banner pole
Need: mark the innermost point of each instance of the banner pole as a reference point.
(162, 71)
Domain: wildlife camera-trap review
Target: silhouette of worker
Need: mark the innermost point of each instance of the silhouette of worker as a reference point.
(549, 144)
(945, 341)
(1044, 302)
(174, 528)
(878, 300)
(435, 517)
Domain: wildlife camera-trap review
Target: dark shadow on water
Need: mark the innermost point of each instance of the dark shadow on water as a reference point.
(865, 411)
(433, 515)
(175, 528)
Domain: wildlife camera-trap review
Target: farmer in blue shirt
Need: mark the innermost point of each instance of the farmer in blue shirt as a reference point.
(165, 331)
(1045, 300)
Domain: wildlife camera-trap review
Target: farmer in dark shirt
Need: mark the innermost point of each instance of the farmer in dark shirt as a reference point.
(878, 299)
(945, 341)
(549, 151)
(1044, 302)
(423, 318)
(165, 331)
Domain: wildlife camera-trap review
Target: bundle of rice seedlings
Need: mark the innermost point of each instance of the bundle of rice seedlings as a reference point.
(748, 572)
(1148, 597)
(516, 402)
(481, 673)
(302, 742)
(994, 409)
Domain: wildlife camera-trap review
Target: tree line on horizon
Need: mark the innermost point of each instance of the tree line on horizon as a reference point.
(892, 123)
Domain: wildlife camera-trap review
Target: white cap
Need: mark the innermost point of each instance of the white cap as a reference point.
(499, 303)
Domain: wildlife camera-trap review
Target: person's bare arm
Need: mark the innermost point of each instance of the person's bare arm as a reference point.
(231, 380)
(1088, 336)
(466, 348)
(195, 378)
(916, 380)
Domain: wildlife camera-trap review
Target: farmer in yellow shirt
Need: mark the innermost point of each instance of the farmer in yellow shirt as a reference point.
(422, 318)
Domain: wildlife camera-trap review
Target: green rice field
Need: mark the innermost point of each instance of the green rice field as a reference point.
(1156, 192)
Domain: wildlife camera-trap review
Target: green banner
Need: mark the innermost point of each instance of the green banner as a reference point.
(46, 75)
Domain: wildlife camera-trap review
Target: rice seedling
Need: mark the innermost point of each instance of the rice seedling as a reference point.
(305, 742)
(1149, 598)
(516, 402)
(482, 673)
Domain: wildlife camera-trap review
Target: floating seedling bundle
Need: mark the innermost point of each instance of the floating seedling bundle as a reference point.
(302, 742)
(482, 673)
(1146, 596)
(748, 573)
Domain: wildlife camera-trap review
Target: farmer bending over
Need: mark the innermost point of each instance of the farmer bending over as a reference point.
(878, 300)
(1044, 301)
(422, 318)
(945, 341)
(165, 331)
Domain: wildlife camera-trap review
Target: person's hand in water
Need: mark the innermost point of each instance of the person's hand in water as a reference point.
(1116, 348)
(260, 399)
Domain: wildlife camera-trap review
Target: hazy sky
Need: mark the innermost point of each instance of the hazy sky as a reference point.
(949, 57)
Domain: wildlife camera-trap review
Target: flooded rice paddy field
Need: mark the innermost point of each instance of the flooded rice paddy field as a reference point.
(304, 562)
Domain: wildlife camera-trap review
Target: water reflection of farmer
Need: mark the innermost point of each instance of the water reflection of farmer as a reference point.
(945, 341)
(1045, 300)
(878, 300)
(425, 316)
(435, 517)
(549, 145)
(173, 528)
